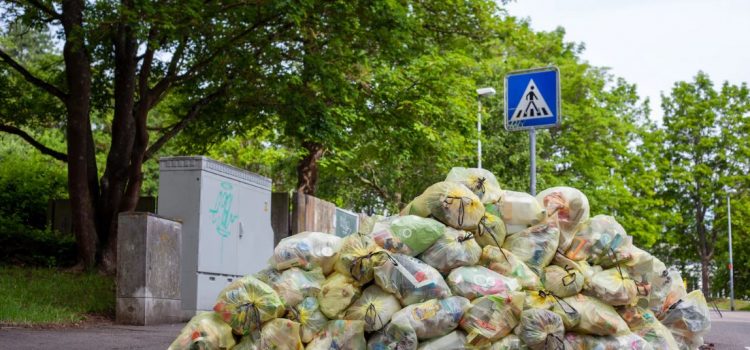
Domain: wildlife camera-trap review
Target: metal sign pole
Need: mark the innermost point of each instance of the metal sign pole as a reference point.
(532, 144)
(731, 263)
(479, 132)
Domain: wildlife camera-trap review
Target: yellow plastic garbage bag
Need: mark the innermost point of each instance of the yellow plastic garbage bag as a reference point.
(336, 294)
(571, 207)
(307, 250)
(358, 257)
(509, 342)
(340, 334)
(535, 245)
(450, 203)
(281, 333)
(563, 282)
(520, 210)
(597, 318)
(643, 322)
(541, 329)
(490, 231)
(433, 318)
(206, 331)
(480, 181)
(246, 303)
(688, 320)
(410, 234)
(539, 299)
(666, 289)
(454, 249)
(246, 343)
(311, 320)
(614, 287)
(506, 263)
(472, 282)
(396, 336)
(492, 317)
(294, 284)
(411, 280)
(596, 238)
(375, 307)
(455, 340)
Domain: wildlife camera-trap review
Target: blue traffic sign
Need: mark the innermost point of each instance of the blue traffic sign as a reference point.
(532, 99)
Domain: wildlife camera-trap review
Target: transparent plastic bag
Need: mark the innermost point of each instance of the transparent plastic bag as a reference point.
(358, 257)
(597, 318)
(336, 294)
(206, 331)
(536, 245)
(450, 203)
(480, 181)
(396, 336)
(340, 334)
(246, 343)
(307, 250)
(454, 249)
(490, 231)
(541, 329)
(651, 330)
(563, 282)
(433, 318)
(455, 340)
(409, 235)
(571, 207)
(294, 284)
(472, 282)
(246, 303)
(688, 320)
(614, 287)
(492, 317)
(281, 333)
(666, 289)
(509, 342)
(520, 210)
(596, 238)
(411, 280)
(375, 307)
(506, 263)
(311, 320)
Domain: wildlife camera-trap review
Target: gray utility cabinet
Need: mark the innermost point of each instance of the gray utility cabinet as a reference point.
(226, 224)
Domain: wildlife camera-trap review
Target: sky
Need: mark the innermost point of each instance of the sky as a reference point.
(652, 43)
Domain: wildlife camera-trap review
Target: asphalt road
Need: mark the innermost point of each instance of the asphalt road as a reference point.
(730, 332)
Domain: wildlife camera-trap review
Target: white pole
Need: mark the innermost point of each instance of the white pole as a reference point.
(532, 143)
(479, 132)
(731, 263)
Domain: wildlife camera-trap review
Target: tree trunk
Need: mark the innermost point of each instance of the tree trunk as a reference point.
(307, 169)
(80, 144)
(705, 286)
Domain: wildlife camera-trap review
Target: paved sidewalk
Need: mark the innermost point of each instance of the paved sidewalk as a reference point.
(106, 336)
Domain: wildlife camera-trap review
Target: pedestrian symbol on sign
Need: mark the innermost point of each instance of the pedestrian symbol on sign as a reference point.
(532, 104)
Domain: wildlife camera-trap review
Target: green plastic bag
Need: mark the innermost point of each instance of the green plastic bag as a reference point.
(506, 263)
(411, 280)
(536, 245)
(454, 249)
(340, 334)
(492, 317)
(480, 181)
(311, 320)
(375, 307)
(206, 331)
(472, 282)
(433, 318)
(541, 329)
(571, 207)
(246, 303)
(336, 294)
(294, 284)
(409, 235)
(450, 203)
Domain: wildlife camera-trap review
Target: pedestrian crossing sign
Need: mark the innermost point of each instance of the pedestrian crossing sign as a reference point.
(532, 99)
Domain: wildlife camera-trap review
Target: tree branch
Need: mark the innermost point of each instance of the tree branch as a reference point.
(40, 6)
(191, 115)
(31, 78)
(30, 140)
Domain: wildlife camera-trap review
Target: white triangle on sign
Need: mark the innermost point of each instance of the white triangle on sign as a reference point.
(532, 105)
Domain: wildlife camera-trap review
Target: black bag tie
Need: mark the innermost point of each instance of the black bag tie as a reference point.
(371, 315)
(480, 186)
(559, 344)
(448, 201)
(567, 308)
(465, 237)
(252, 316)
(357, 264)
(571, 276)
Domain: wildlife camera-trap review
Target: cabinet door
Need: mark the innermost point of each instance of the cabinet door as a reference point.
(220, 212)
(255, 242)
(209, 288)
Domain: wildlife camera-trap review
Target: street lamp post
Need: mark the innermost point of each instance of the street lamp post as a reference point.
(731, 263)
(487, 91)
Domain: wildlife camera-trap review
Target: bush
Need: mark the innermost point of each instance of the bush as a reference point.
(28, 246)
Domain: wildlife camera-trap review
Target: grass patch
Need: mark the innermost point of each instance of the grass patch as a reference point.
(723, 304)
(41, 296)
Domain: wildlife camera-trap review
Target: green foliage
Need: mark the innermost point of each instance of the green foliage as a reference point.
(48, 296)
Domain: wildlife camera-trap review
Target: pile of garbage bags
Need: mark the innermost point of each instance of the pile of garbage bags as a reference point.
(466, 265)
